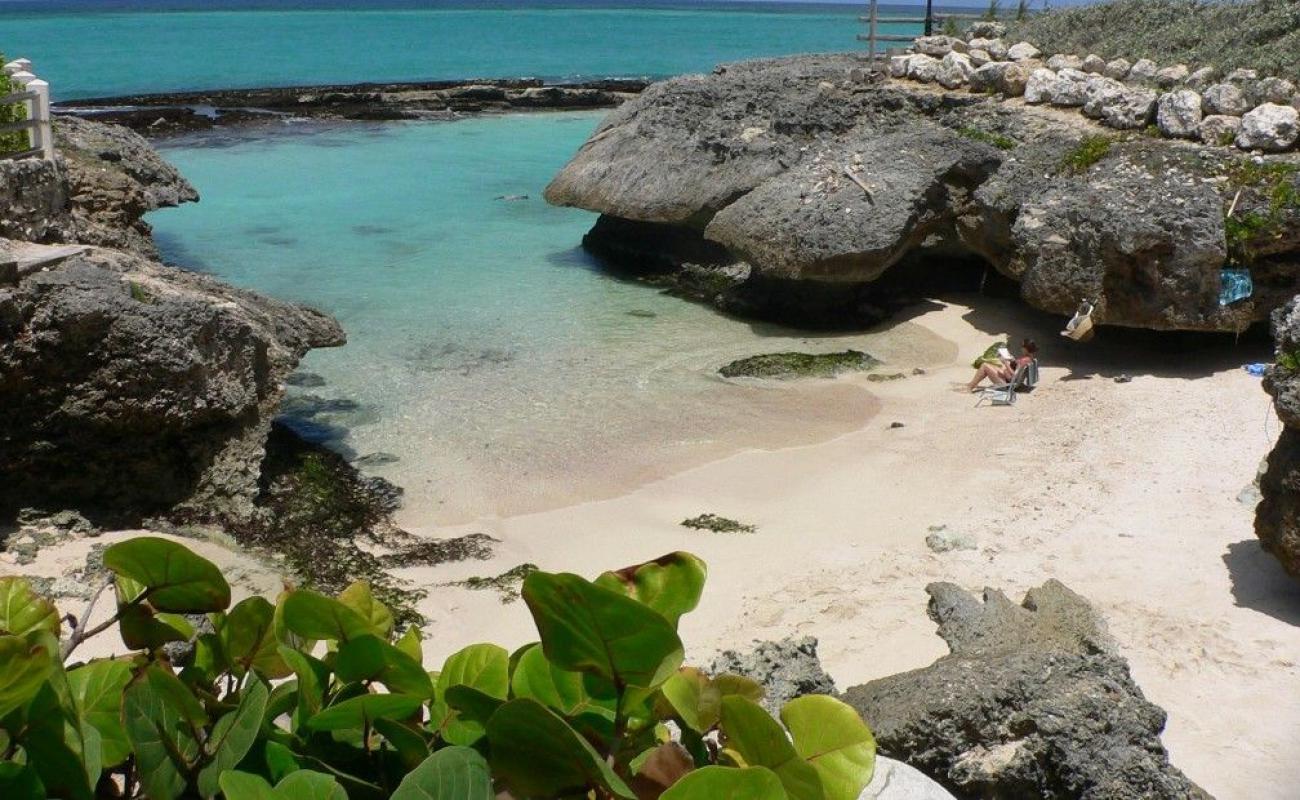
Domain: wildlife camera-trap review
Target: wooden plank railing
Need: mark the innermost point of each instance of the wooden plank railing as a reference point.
(34, 94)
(929, 22)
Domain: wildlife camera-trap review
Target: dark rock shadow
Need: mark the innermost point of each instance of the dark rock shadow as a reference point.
(1259, 582)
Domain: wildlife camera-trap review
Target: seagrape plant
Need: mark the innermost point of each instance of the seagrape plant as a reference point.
(320, 698)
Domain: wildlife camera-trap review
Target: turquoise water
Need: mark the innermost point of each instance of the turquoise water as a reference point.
(486, 351)
(129, 50)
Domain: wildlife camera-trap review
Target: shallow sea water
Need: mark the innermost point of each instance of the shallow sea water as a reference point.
(487, 351)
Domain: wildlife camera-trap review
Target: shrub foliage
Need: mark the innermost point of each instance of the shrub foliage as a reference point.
(320, 696)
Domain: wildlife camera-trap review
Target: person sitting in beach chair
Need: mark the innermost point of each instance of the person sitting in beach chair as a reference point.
(1002, 367)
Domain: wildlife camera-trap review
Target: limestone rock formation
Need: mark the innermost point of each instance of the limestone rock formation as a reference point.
(801, 185)
(1179, 114)
(787, 669)
(1269, 127)
(1032, 702)
(1277, 517)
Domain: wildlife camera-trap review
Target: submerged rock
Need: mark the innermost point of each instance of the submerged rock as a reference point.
(787, 669)
(1032, 702)
(799, 365)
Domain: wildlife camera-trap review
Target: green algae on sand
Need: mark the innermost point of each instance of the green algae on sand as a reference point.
(799, 365)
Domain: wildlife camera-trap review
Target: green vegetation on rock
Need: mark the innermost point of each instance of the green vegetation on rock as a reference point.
(14, 140)
(1270, 193)
(799, 365)
(1255, 34)
(1088, 151)
(244, 709)
(979, 135)
(717, 524)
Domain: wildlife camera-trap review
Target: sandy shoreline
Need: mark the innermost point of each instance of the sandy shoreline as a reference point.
(1127, 492)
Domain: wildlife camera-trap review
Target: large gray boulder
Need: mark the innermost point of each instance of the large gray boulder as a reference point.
(1269, 127)
(1219, 129)
(1041, 84)
(1032, 702)
(1179, 114)
(1226, 99)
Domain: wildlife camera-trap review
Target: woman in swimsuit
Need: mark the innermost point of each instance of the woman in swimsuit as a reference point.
(1001, 372)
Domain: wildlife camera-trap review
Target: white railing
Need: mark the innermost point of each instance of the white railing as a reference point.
(33, 93)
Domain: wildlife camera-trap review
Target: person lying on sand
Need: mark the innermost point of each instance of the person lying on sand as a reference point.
(999, 369)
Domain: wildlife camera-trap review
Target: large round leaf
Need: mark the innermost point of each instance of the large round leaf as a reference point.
(727, 783)
(305, 784)
(670, 584)
(761, 742)
(233, 736)
(25, 662)
(160, 722)
(538, 755)
(832, 737)
(248, 637)
(453, 773)
(587, 628)
(357, 597)
(355, 712)
(367, 658)
(567, 692)
(177, 580)
(315, 616)
(97, 691)
(22, 610)
(485, 667)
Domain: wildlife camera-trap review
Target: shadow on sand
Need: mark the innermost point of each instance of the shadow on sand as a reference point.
(1260, 583)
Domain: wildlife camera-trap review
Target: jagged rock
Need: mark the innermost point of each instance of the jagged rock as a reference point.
(1118, 69)
(1144, 69)
(922, 67)
(939, 46)
(1033, 701)
(1170, 77)
(787, 669)
(135, 387)
(1118, 105)
(1004, 77)
(986, 29)
(979, 58)
(1038, 89)
(1023, 51)
(955, 70)
(1069, 88)
(1178, 114)
(1277, 517)
(1201, 78)
(1273, 90)
(1093, 64)
(996, 48)
(1225, 99)
(898, 66)
(1220, 129)
(1269, 127)
(1062, 61)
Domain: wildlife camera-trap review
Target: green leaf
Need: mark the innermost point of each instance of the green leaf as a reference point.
(367, 658)
(315, 616)
(245, 786)
(142, 629)
(97, 690)
(356, 712)
(410, 644)
(832, 737)
(177, 579)
(670, 584)
(22, 610)
(761, 742)
(248, 638)
(233, 736)
(357, 597)
(65, 754)
(566, 692)
(694, 698)
(311, 676)
(538, 755)
(20, 782)
(453, 773)
(727, 783)
(485, 667)
(280, 760)
(25, 662)
(410, 746)
(158, 723)
(591, 629)
(308, 785)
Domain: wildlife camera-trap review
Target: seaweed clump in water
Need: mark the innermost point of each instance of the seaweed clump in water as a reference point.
(333, 526)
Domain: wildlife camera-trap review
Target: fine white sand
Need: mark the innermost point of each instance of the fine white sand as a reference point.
(1127, 492)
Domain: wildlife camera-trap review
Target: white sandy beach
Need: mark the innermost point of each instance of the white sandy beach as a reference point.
(1127, 492)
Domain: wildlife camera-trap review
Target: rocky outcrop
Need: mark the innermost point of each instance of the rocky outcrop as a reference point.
(1277, 517)
(815, 180)
(1033, 702)
(787, 669)
(129, 387)
(105, 180)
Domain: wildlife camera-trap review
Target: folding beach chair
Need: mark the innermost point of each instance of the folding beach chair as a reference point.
(1005, 395)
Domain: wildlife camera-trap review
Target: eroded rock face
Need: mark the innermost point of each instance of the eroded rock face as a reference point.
(787, 669)
(131, 387)
(1277, 517)
(802, 176)
(1032, 702)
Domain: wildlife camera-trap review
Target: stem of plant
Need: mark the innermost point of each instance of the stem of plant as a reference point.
(620, 724)
(79, 633)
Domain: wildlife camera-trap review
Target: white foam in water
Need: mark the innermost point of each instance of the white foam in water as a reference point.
(486, 350)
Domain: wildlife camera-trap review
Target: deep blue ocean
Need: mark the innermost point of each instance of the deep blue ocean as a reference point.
(488, 354)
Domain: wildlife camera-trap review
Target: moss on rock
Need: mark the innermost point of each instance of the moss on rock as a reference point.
(799, 365)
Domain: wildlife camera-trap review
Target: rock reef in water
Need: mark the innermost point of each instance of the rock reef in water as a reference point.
(130, 387)
(1033, 702)
(812, 190)
(799, 365)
